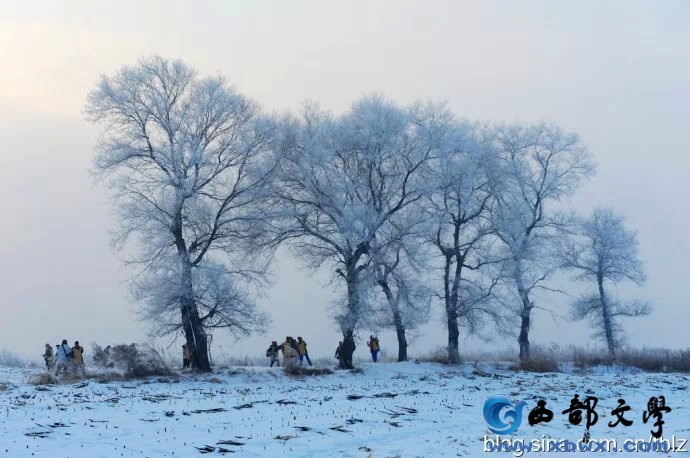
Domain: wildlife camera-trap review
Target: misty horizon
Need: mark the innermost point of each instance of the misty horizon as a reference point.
(621, 81)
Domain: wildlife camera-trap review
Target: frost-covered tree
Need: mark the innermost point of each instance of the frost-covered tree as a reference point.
(398, 296)
(605, 253)
(540, 166)
(189, 161)
(458, 210)
(345, 181)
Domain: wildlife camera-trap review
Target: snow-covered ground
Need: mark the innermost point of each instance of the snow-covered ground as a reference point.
(388, 409)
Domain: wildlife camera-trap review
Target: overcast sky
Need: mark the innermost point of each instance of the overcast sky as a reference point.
(617, 73)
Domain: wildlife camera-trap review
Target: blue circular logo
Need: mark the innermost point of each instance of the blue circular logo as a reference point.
(502, 416)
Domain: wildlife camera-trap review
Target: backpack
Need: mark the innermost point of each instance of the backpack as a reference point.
(68, 352)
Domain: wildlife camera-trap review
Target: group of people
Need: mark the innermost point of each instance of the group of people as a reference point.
(65, 359)
(291, 349)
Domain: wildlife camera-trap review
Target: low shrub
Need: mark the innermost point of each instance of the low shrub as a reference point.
(137, 360)
(299, 371)
(542, 359)
(540, 363)
(439, 355)
(44, 379)
(9, 359)
(101, 356)
(656, 359)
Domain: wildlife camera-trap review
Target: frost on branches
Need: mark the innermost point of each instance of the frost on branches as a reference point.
(189, 161)
(604, 253)
(540, 165)
(345, 185)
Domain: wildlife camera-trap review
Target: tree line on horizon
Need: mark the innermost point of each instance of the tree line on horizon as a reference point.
(408, 207)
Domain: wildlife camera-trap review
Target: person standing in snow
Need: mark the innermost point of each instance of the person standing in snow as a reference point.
(287, 343)
(49, 357)
(78, 358)
(347, 348)
(289, 352)
(374, 347)
(302, 351)
(186, 357)
(272, 353)
(63, 357)
(337, 354)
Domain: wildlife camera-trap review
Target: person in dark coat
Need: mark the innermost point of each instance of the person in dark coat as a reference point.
(272, 353)
(49, 357)
(346, 350)
(186, 357)
(337, 354)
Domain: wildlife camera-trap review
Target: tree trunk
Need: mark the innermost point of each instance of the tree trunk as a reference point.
(608, 322)
(349, 321)
(523, 338)
(193, 327)
(397, 320)
(451, 297)
(352, 313)
(453, 334)
(195, 334)
(352, 280)
(402, 340)
(196, 338)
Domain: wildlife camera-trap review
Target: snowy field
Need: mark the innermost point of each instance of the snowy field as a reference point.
(387, 410)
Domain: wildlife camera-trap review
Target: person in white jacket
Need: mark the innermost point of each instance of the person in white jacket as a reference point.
(62, 357)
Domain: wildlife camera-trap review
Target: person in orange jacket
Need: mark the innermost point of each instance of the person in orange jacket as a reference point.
(374, 347)
(302, 351)
(78, 358)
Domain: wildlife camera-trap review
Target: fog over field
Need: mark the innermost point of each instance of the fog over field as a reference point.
(617, 73)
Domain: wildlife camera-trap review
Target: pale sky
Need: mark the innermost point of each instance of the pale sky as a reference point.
(617, 73)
